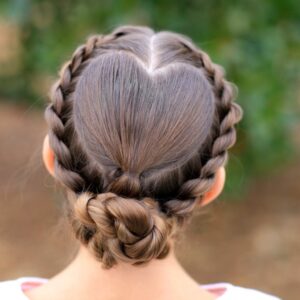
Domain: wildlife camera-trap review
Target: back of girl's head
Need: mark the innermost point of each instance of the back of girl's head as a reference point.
(139, 123)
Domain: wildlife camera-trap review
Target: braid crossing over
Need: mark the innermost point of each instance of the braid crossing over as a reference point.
(119, 222)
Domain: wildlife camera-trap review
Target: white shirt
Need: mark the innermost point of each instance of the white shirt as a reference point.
(13, 290)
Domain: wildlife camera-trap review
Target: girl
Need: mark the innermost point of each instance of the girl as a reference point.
(139, 127)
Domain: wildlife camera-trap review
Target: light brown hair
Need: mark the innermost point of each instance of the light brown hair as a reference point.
(139, 123)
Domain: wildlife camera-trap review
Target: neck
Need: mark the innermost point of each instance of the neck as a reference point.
(84, 278)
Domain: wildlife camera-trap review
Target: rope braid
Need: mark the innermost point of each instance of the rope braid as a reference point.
(57, 111)
(228, 113)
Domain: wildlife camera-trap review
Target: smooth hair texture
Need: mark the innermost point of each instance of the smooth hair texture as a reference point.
(139, 123)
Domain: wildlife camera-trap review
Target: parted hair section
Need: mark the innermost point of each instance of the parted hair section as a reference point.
(139, 123)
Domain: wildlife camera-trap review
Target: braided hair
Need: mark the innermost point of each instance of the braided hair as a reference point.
(139, 123)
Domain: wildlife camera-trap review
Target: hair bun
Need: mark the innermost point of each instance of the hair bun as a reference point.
(116, 228)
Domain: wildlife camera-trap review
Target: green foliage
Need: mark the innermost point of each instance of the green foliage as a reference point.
(258, 43)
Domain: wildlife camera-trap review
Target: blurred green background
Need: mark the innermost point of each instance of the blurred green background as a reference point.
(254, 242)
(258, 43)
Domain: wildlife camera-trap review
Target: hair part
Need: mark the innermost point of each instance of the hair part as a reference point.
(139, 123)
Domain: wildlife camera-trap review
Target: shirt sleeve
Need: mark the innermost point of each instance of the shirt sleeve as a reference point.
(238, 293)
(10, 290)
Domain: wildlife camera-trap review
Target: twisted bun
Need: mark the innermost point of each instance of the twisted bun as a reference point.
(115, 228)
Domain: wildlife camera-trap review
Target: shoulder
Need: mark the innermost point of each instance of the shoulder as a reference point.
(227, 291)
(12, 289)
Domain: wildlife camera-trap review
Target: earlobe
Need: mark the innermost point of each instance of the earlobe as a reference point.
(48, 156)
(216, 189)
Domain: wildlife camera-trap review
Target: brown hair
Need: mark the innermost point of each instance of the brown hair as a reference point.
(139, 123)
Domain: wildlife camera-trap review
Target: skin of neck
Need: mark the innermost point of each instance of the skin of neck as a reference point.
(84, 278)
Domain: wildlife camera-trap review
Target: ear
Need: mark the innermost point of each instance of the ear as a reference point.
(48, 156)
(216, 189)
